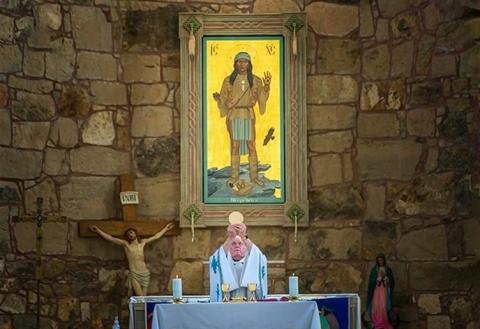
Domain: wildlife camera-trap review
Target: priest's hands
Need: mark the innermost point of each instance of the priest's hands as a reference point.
(237, 229)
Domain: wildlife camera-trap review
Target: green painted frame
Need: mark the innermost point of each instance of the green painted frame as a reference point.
(192, 28)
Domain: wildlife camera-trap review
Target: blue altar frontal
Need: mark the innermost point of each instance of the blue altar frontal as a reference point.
(158, 312)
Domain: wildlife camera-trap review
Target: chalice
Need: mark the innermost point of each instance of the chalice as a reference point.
(225, 288)
(252, 287)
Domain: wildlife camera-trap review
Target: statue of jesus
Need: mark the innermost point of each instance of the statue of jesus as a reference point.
(139, 275)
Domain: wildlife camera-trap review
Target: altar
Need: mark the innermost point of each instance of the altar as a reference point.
(148, 312)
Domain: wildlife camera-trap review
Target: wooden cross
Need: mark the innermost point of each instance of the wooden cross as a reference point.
(39, 219)
(129, 211)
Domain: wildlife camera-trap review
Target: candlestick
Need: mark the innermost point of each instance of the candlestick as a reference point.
(293, 286)
(177, 288)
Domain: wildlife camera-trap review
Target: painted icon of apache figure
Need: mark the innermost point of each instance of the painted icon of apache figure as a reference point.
(240, 92)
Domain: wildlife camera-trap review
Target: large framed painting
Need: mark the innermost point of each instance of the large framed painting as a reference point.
(243, 119)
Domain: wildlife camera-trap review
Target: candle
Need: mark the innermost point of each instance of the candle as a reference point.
(293, 285)
(177, 287)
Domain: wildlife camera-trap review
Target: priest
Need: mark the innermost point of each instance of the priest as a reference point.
(238, 262)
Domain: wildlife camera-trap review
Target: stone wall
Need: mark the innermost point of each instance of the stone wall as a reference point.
(89, 91)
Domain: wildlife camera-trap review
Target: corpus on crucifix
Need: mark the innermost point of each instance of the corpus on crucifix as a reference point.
(127, 232)
(138, 275)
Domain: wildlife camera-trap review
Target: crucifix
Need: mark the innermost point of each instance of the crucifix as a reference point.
(129, 212)
(39, 219)
(131, 228)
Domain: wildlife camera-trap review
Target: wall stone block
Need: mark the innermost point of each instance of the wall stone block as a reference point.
(272, 6)
(332, 19)
(11, 59)
(6, 28)
(471, 243)
(383, 30)
(379, 237)
(336, 278)
(338, 201)
(376, 63)
(20, 164)
(34, 86)
(49, 16)
(326, 169)
(108, 93)
(272, 241)
(438, 321)
(88, 197)
(158, 156)
(160, 196)
(326, 244)
(99, 66)
(469, 66)
(85, 160)
(426, 244)
(152, 29)
(4, 233)
(424, 54)
(14, 304)
(55, 162)
(60, 61)
(429, 303)
(421, 122)
(366, 19)
(171, 74)
(429, 196)
(338, 56)
(333, 89)
(405, 25)
(143, 94)
(74, 102)
(444, 66)
(382, 159)
(144, 68)
(99, 129)
(442, 276)
(426, 92)
(68, 307)
(202, 245)
(5, 127)
(389, 9)
(402, 60)
(33, 107)
(152, 121)
(88, 22)
(337, 141)
(3, 95)
(378, 125)
(64, 132)
(331, 117)
(30, 135)
(375, 201)
(383, 95)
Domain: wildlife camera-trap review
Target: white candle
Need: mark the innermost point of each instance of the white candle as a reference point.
(293, 285)
(177, 287)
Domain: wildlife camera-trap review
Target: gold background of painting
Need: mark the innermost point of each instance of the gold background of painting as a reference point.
(265, 55)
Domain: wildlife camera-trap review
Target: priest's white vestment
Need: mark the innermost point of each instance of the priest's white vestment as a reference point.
(222, 270)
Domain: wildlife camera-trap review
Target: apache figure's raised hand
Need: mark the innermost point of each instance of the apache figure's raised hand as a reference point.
(267, 78)
(139, 275)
